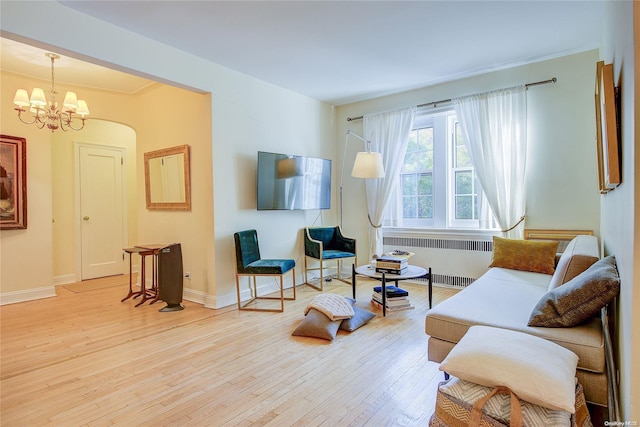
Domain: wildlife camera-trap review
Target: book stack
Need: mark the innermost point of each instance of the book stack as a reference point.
(392, 264)
(397, 298)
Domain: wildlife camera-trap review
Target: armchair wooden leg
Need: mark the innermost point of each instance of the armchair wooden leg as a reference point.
(254, 296)
(306, 276)
(238, 293)
(294, 282)
(339, 274)
(281, 293)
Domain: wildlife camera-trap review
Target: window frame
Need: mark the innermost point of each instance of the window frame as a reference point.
(452, 221)
(424, 122)
(443, 176)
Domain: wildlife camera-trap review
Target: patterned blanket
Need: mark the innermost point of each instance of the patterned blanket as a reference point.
(334, 306)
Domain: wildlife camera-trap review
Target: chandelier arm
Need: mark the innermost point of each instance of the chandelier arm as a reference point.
(61, 124)
(40, 122)
(66, 119)
(22, 110)
(70, 125)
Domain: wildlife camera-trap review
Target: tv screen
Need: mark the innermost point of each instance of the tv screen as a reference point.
(287, 182)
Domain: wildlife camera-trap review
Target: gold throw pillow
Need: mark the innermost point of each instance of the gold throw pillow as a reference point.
(527, 255)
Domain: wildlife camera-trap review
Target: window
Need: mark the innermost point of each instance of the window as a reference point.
(438, 187)
(463, 198)
(416, 178)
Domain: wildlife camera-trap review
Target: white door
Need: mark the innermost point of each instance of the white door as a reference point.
(101, 211)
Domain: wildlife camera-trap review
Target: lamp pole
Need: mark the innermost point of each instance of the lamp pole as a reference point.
(369, 164)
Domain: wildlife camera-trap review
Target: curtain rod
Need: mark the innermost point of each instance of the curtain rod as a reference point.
(445, 101)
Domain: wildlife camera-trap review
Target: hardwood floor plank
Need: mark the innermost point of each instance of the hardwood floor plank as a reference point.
(84, 358)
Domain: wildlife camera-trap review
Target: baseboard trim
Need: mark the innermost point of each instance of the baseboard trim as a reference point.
(192, 295)
(222, 301)
(27, 295)
(209, 301)
(64, 279)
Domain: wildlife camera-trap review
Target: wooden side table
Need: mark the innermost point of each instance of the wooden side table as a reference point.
(153, 250)
(131, 294)
(146, 294)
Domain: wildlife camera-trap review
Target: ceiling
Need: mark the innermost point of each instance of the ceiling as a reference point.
(346, 51)
(31, 61)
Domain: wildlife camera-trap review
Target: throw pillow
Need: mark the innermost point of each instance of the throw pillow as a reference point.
(580, 298)
(574, 260)
(360, 318)
(536, 370)
(526, 255)
(317, 325)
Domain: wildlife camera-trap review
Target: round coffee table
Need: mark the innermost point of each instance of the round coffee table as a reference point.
(412, 272)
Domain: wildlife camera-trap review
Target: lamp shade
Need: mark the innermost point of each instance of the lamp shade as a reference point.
(22, 98)
(82, 109)
(368, 165)
(38, 98)
(70, 101)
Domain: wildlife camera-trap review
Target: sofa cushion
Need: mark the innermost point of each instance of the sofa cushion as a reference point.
(500, 357)
(579, 254)
(580, 298)
(526, 255)
(504, 298)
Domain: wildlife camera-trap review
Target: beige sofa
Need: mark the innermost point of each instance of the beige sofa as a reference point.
(504, 298)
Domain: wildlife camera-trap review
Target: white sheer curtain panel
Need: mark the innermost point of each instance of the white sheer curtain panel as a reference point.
(494, 126)
(389, 135)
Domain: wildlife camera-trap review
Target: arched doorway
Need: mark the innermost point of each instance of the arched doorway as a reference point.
(94, 193)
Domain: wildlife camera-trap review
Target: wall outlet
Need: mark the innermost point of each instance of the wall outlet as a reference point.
(187, 275)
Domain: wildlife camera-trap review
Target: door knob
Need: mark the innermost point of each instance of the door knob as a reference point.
(86, 218)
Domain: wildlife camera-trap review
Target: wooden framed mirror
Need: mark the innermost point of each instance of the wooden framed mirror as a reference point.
(167, 179)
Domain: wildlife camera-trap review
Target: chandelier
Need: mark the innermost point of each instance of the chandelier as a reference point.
(47, 114)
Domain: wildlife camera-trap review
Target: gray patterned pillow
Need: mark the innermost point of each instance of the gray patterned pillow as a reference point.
(580, 298)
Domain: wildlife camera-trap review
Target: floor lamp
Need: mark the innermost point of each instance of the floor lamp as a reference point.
(367, 164)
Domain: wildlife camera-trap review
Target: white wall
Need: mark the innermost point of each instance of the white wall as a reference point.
(620, 234)
(294, 127)
(31, 246)
(247, 115)
(561, 157)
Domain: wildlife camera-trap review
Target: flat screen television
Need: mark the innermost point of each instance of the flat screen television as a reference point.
(288, 182)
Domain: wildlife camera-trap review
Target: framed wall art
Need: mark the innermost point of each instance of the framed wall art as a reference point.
(13, 182)
(607, 145)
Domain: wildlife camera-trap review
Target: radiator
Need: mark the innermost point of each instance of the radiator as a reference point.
(429, 242)
(455, 261)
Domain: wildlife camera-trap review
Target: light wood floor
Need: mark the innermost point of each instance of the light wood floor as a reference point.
(84, 358)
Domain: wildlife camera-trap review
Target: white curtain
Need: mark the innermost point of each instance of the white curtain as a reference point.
(389, 135)
(494, 127)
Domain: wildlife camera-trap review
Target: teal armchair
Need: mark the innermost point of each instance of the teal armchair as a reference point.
(326, 244)
(249, 263)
